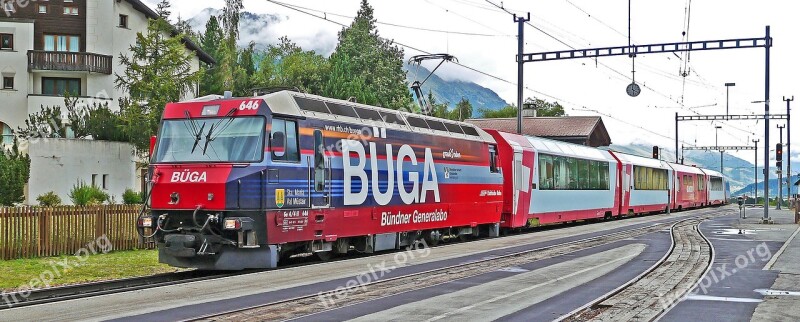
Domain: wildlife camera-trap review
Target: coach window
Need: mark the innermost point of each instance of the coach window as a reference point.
(493, 159)
(545, 172)
(288, 130)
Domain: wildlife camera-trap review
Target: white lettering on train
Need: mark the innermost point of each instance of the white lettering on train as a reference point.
(416, 195)
(187, 176)
(399, 218)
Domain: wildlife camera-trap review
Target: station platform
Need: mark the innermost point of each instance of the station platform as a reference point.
(781, 301)
(755, 270)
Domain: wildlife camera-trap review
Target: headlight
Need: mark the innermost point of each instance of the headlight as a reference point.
(232, 224)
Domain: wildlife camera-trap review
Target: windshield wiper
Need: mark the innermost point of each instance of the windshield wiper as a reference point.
(197, 137)
(209, 138)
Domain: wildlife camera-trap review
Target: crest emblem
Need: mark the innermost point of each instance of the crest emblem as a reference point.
(280, 196)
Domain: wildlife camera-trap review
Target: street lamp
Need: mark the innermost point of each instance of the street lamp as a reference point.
(727, 95)
(721, 170)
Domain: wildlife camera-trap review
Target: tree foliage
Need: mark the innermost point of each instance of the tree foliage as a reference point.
(437, 109)
(230, 20)
(210, 42)
(367, 66)
(96, 121)
(15, 170)
(462, 111)
(287, 65)
(543, 109)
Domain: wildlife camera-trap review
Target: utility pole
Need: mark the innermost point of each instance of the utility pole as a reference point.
(788, 147)
(768, 39)
(716, 142)
(755, 173)
(520, 50)
(727, 96)
(779, 164)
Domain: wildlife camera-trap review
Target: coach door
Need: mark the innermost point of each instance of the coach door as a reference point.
(320, 174)
(518, 179)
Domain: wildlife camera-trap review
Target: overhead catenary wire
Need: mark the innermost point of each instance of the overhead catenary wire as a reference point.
(596, 61)
(576, 106)
(295, 8)
(680, 102)
(449, 32)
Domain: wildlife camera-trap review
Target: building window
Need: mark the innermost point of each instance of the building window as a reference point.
(7, 41)
(105, 182)
(94, 179)
(59, 86)
(62, 43)
(42, 8)
(73, 11)
(6, 137)
(123, 21)
(8, 82)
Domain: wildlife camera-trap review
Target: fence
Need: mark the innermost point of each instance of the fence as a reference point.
(27, 232)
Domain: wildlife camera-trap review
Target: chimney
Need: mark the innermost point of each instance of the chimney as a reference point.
(528, 110)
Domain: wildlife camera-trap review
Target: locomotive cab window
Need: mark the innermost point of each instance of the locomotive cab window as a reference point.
(493, 159)
(283, 141)
(206, 140)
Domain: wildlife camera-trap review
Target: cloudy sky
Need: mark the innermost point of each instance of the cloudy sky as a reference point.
(483, 37)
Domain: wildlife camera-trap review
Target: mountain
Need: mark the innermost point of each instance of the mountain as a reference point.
(451, 91)
(773, 188)
(252, 26)
(260, 28)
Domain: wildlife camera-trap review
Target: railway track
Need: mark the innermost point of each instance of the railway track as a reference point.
(69, 292)
(312, 304)
(657, 290)
(63, 293)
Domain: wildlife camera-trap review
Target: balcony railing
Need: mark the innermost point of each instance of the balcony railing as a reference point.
(69, 61)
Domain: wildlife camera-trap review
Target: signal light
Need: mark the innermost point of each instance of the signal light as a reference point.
(778, 155)
(232, 224)
(655, 152)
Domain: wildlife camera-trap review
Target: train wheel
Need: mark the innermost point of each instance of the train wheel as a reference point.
(432, 237)
(325, 256)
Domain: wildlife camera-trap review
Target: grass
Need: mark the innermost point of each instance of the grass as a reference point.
(99, 267)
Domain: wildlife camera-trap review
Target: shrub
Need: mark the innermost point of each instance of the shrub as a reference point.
(49, 199)
(87, 195)
(15, 169)
(130, 197)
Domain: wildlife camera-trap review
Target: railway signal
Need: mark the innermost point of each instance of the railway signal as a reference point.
(778, 155)
(655, 152)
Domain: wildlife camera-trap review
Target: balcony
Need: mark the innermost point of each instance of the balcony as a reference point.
(39, 60)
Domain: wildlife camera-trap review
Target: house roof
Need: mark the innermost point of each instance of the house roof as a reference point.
(550, 127)
(151, 14)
